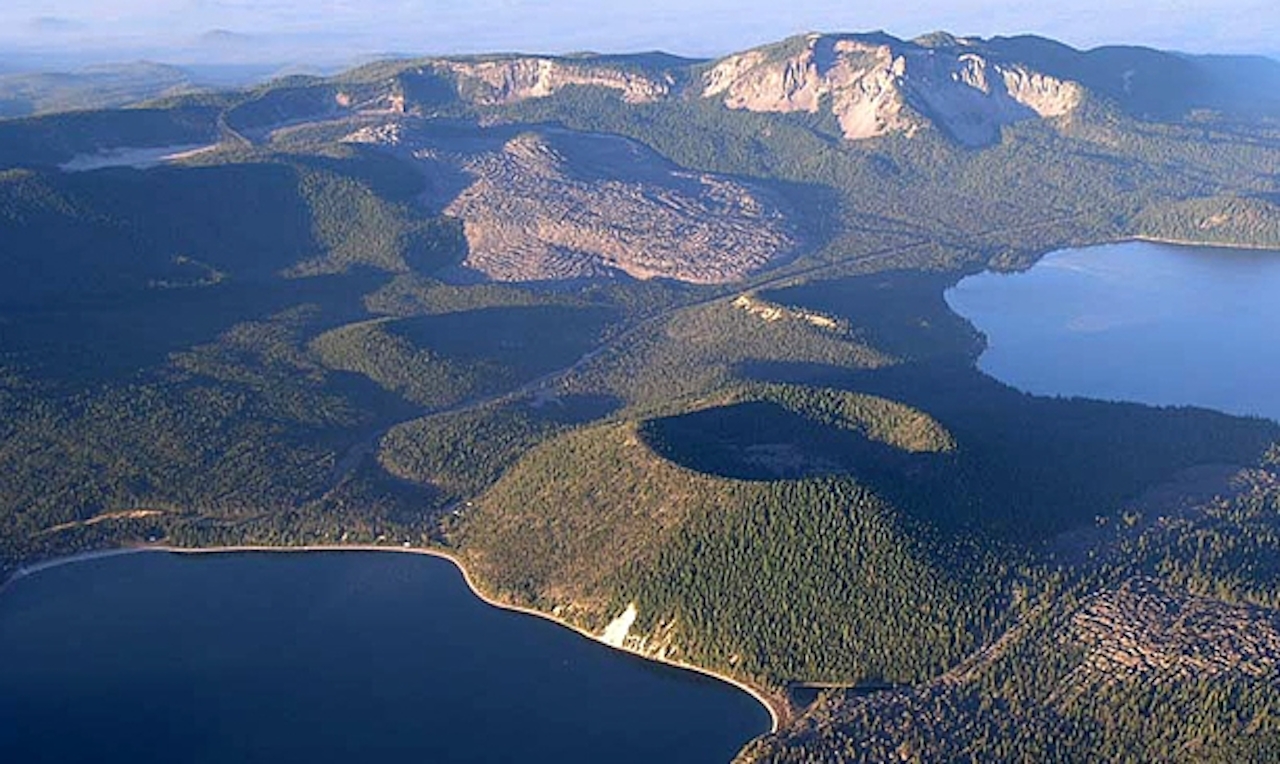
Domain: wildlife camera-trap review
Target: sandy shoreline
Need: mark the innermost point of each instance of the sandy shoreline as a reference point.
(1204, 244)
(58, 562)
(776, 712)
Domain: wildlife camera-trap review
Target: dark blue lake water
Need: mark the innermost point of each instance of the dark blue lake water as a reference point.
(1152, 323)
(350, 657)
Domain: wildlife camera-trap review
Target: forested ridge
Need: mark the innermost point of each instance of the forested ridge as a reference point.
(797, 478)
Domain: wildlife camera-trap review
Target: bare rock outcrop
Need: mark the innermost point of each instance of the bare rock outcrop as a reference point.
(877, 85)
(494, 82)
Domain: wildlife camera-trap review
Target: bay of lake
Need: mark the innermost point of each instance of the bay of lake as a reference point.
(327, 656)
(1138, 321)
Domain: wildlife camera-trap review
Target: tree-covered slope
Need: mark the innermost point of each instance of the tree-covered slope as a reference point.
(769, 580)
(121, 230)
(440, 360)
(97, 87)
(1148, 653)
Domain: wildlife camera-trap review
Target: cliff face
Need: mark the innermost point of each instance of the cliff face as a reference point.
(876, 85)
(504, 81)
(870, 84)
(857, 77)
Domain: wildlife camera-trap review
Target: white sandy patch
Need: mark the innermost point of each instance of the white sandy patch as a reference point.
(129, 514)
(616, 632)
(141, 158)
(770, 313)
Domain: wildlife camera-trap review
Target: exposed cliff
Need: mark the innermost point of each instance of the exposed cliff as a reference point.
(876, 85)
(865, 85)
(490, 82)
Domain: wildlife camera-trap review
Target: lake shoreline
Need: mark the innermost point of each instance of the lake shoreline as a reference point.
(775, 707)
(1138, 321)
(1191, 243)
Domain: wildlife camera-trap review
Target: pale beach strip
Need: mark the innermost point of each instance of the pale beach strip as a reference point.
(776, 709)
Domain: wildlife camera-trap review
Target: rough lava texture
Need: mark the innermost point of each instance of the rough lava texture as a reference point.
(876, 85)
(1143, 628)
(1141, 632)
(550, 205)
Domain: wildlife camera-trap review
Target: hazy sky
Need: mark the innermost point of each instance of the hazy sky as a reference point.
(175, 29)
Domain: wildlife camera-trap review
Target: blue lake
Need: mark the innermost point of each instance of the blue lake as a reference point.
(319, 657)
(1151, 323)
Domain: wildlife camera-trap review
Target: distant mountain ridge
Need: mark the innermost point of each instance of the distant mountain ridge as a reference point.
(95, 87)
(868, 84)
(875, 84)
(1156, 84)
